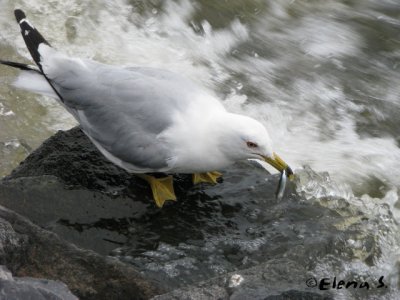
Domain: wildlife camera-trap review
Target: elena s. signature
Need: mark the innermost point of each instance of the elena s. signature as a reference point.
(334, 283)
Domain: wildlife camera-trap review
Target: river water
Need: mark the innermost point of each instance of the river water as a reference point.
(321, 75)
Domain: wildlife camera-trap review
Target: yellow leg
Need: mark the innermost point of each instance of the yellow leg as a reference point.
(162, 188)
(209, 177)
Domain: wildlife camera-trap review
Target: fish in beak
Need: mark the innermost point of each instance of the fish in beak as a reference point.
(279, 164)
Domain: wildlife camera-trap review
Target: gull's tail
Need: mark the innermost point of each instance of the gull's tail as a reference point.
(32, 78)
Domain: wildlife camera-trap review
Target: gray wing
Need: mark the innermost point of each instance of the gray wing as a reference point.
(124, 109)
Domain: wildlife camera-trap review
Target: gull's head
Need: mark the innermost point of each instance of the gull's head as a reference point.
(245, 138)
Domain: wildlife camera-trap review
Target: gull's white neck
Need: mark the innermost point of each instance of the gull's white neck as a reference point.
(196, 138)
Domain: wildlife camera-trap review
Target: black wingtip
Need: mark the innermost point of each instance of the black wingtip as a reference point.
(19, 15)
(20, 66)
(32, 37)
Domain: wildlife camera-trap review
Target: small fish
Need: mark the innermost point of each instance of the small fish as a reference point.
(281, 186)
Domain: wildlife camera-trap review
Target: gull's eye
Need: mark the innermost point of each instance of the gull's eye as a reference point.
(251, 145)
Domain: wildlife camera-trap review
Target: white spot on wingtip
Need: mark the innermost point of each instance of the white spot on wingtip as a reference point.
(26, 32)
(26, 21)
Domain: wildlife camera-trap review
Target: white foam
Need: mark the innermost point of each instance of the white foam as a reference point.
(5, 112)
(326, 38)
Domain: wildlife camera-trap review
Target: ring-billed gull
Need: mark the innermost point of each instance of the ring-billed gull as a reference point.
(145, 120)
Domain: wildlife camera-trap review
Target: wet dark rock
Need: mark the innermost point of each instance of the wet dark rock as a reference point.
(297, 295)
(31, 288)
(30, 251)
(86, 218)
(71, 157)
(196, 293)
(268, 281)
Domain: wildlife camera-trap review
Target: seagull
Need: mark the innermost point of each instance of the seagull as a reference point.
(145, 120)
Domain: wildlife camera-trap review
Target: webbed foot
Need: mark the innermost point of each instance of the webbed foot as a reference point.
(162, 188)
(209, 177)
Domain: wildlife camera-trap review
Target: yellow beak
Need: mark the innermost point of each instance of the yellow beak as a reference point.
(279, 164)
